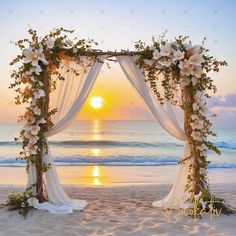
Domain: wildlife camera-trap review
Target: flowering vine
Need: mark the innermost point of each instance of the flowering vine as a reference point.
(178, 66)
(41, 57)
(181, 69)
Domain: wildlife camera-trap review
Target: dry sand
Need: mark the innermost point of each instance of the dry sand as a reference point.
(121, 210)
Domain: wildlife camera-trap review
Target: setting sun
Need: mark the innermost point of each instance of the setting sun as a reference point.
(96, 102)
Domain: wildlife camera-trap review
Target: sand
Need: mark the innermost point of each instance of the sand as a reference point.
(119, 210)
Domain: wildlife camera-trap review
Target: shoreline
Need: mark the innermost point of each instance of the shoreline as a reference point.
(118, 211)
(100, 175)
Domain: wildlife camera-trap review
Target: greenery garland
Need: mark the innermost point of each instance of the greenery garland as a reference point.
(42, 57)
(181, 68)
(175, 66)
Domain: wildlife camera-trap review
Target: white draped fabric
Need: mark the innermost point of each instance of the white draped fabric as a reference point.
(68, 98)
(166, 117)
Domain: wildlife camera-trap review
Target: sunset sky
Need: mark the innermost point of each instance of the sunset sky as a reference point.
(117, 25)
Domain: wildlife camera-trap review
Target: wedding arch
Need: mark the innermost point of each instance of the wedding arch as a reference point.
(56, 77)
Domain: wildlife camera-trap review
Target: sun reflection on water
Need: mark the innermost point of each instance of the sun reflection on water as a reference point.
(95, 151)
(96, 174)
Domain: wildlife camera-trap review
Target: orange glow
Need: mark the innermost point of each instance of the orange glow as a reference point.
(120, 100)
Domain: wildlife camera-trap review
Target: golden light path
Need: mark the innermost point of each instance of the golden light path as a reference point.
(96, 175)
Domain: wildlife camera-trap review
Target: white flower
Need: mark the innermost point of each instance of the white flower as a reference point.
(165, 50)
(37, 70)
(32, 201)
(165, 63)
(34, 56)
(210, 206)
(202, 148)
(32, 149)
(194, 81)
(39, 93)
(203, 111)
(178, 55)
(196, 60)
(41, 121)
(197, 124)
(30, 56)
(184, 81)
(195, 106)
(196, 135)
(68, 42)
(31, 120)
(198, 95)
(156, 54)
(34, 129)
(197, 71)
(50, 43)
(184, 64)
(204, 153)
(37, 111)
(27, 134)
(153, 48)
(34, 102)
(148, 62)
(186, 68)
(27, 127)
(75, 50)
(33, 139)
(194, 117)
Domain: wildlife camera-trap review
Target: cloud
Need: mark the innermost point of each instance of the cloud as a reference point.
(229, 100)
(225, 108)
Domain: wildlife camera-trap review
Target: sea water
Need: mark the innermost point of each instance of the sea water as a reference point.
(117, 143)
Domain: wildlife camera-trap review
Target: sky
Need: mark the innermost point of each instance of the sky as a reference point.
(115, 25)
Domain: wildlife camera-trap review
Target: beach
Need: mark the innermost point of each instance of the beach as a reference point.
(120, 168)
(119, 203)
(118, 210)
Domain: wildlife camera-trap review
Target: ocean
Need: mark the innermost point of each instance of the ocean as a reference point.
(117, 143)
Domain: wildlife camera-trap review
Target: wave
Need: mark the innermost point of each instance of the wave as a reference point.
(223, 144)
(110, 143)
(100, 143)
(115, 161)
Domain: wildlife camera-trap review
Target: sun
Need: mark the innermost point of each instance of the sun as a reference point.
(96, 102)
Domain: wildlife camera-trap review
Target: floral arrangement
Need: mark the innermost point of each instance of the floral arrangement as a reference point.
(21, 201)
(180, 67)
(41, 57)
